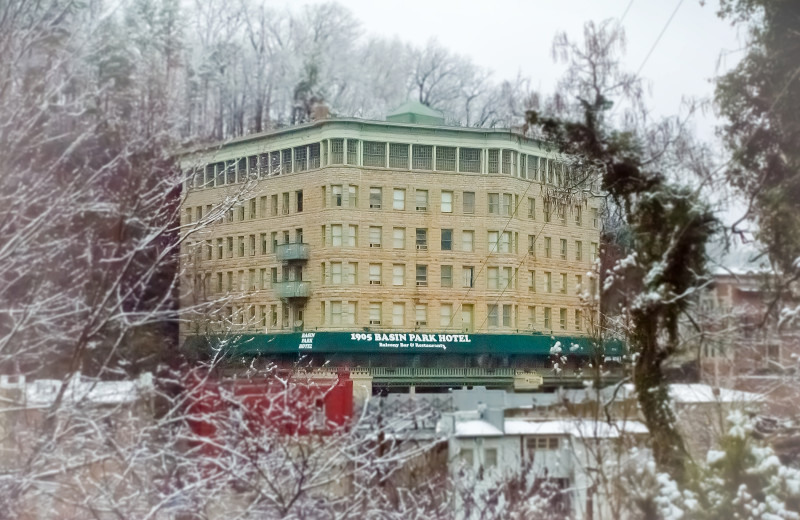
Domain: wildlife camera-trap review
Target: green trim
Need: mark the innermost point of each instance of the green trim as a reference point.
(401, 343)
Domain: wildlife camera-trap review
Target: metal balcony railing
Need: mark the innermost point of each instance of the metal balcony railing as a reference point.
(293, 289)
(289, 252)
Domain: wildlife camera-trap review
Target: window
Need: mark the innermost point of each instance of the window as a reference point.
(398, 314)
(352, 196)
(375, 313)
(445, 158)
(398, 156)
(547, 324)
(219, 282)
(422, 238)
(578, 216)
(505, 278)
(578, 284)
(336, 273)
(230, 247)
(494, 161)
(352, 236)
(421, 157)
(352, 151)
(562, 318)
(375, 198)
(285, 207)
(350, 274)
(374, 154)
(398, 275)
(300, 159)
(531, 208)
(594, 251)
(507, 316)
(445, 315)
(240, 213)
(578, 319)
(447, 275)
(263, 281)
(220, 248)
(252, 245)
(508, 162)
(447, 240)
(337, 151)
(313, 155)
(422, 200)
(336, 196)
(251, 283)
(468, 241)
(494, 203)
(469, 160)
(562, 213)
(532, 286)
(422, 275)
(229, 284)
(492, 318)
(469, 202)
(374, 274)
(467, 317)
(548, 207)
(532, 245)
(336, 235)
(447, 202)
(468, 274)
(399, 238)
(263, 207)
(399, 199)
(499, 242)
(563, 249)
(421, 314)
(578, 250)
(505, 205)
(298, 195)
(547, 243)
(563, 283)
(375, 236)
(532, 317)
(492, 277)
(252, 209)
(548, 282)
(336, 313)
(595, 218)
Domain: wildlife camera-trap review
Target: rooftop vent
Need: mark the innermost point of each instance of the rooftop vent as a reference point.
(416, 113)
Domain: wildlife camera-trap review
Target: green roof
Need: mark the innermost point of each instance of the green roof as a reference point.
(415, 112)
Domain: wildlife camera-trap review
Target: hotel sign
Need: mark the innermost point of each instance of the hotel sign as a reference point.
(370, 342)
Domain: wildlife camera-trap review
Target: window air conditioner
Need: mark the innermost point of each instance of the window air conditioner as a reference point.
(422, 247)
(422, 208)
(374, 245)
(422, 323)
(374, 322)
(374, 206)
(422, 284)
(374, 282)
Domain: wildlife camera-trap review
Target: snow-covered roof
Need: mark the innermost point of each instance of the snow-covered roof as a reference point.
(697, 393)
(701, 393)
(476, 428)
(580, 428)
(43, 392)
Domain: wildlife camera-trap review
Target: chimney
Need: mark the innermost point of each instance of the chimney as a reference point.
(320, 111)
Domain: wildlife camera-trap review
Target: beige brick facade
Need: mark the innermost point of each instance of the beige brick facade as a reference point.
(454, 255)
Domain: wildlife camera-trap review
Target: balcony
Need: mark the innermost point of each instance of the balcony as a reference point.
(292, 289)
(291, 252)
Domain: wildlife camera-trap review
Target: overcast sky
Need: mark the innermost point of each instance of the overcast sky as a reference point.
(515, 36)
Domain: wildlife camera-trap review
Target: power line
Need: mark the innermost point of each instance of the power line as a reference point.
(624, 14)
(658, 39)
